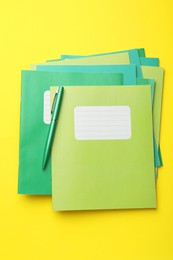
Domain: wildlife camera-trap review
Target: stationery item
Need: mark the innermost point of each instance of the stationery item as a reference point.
(157, 74)
(102, 155)
(35, 119)
(151, 82)
(141, 52)
(51, 132)
(128, 71)
(157, 154)
(149, 61)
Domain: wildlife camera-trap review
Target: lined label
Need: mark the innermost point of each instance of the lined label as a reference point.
(46, 109)
(102, 122)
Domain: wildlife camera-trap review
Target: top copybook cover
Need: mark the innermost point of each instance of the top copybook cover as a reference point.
(102, 155)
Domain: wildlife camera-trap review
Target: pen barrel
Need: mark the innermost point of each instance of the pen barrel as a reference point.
(57, 106)
(52, 127)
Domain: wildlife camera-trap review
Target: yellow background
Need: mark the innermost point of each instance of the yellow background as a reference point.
(32, 31)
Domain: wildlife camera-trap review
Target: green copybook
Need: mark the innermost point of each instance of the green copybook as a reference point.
(102, 155)
(35, 119)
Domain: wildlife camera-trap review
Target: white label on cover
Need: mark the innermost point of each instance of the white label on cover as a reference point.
(102, 122)
(47, 111)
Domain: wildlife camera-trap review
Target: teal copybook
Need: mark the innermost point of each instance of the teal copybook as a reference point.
(128, 71)
(35, 119)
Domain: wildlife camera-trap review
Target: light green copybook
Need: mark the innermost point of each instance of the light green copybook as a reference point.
(102, 155)
(157, 74)
(118, 58)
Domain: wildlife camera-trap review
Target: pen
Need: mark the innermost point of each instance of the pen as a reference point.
(55, 113)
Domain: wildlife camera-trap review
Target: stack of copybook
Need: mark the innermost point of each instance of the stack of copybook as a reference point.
(105, 150)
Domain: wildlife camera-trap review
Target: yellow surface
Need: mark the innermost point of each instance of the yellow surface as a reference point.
(32, 31)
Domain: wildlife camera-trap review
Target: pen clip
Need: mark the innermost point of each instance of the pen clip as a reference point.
(53, 105)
